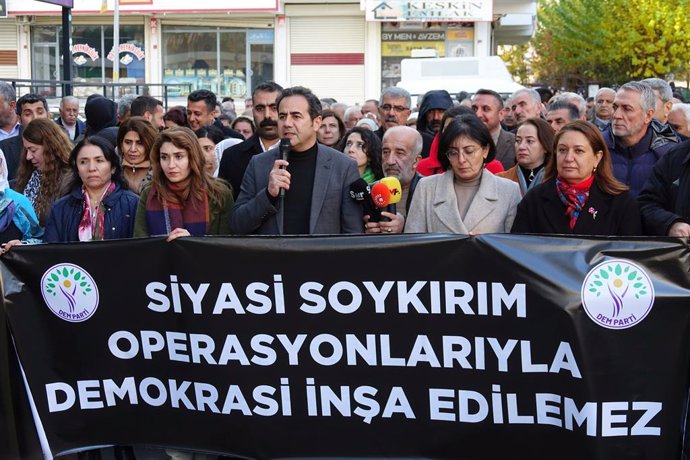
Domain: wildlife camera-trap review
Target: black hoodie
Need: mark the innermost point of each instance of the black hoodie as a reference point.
(436, 99)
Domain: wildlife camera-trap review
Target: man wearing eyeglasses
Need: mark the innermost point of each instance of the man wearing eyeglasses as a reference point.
(394, 108)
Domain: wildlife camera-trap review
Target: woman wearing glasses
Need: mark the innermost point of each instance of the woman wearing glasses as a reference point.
(466, 198)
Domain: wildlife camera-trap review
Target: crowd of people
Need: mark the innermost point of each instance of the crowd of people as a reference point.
(533, 162)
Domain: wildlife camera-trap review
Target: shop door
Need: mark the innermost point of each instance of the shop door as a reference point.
(46, 66)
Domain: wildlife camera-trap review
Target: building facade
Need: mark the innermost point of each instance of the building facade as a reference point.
(341, 49)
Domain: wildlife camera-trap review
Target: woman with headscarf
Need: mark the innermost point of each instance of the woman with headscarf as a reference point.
(182, 199)
(18, 219)
(99, 207)
(135, 138)
(44, 173)
(466, 198)
(579, 194)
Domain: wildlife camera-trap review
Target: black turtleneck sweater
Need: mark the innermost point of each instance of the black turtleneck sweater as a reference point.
(297, 200)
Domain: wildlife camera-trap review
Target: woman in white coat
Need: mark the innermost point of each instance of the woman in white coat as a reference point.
(466, 198)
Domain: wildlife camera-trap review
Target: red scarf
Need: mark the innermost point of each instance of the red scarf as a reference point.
(574, 197)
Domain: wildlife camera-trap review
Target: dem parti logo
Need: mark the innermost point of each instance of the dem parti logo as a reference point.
(617, 294)
(70, 292)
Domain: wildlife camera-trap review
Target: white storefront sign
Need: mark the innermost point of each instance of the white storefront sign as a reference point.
(422, 10)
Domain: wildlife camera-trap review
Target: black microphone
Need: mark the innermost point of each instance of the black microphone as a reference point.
(361, 193)
(284, 148)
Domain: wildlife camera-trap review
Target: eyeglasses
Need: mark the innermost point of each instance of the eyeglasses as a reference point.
(469, 152)
(397, 108)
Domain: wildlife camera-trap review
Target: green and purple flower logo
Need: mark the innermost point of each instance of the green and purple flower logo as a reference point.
(70, 292)
(617, 294)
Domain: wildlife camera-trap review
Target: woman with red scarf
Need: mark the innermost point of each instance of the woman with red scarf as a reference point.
(182, 199)
(579, 194)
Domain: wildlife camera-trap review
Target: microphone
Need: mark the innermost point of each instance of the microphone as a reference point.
(380, 194)
(284, 148)
(361, 193)
(395, 190)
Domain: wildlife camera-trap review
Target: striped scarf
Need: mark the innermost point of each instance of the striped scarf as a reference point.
(184, 211)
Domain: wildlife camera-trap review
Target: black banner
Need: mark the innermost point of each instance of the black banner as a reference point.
(434, 346)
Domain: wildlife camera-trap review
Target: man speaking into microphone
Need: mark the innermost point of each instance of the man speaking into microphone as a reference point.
(314, 179)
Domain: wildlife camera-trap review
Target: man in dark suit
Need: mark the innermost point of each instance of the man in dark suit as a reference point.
(488, 105)
(236, 158)
(316, 179)
(69, 117)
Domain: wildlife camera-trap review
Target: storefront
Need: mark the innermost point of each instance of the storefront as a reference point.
(345, 49)
(227, 61)
(228, 47)
(92, 53)
(400, 40)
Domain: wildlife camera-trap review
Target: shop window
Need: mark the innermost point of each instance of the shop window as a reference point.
(92, 54)
(216, 59)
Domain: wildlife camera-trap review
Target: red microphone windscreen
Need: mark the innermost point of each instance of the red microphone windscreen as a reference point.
(394, 188)
(380, 194)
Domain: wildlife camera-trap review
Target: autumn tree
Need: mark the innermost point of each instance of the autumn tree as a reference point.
(610, 41)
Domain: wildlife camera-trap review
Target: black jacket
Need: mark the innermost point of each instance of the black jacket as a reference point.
(234, 162)
(665, 197)
(227, 132)
(542, 211)
(12, 148)
(66, 214)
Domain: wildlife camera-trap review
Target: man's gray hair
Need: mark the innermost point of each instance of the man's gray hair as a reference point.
(663, 88)
(68, 100)
(396, 92)
(7, 92)
(647, 96)
(419, 142)
(685, 108)
(604, 89)
(124, 104)
(536, 98)
(350, 110)
(575, 99)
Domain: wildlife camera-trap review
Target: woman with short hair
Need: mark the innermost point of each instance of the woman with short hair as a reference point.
(332, 129)
(466, 198)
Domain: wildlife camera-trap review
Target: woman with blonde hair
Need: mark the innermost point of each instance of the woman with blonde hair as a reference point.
(182, 198)
(135, 138)
(44, 173)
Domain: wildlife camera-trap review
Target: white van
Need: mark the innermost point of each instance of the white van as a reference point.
(419, 75)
